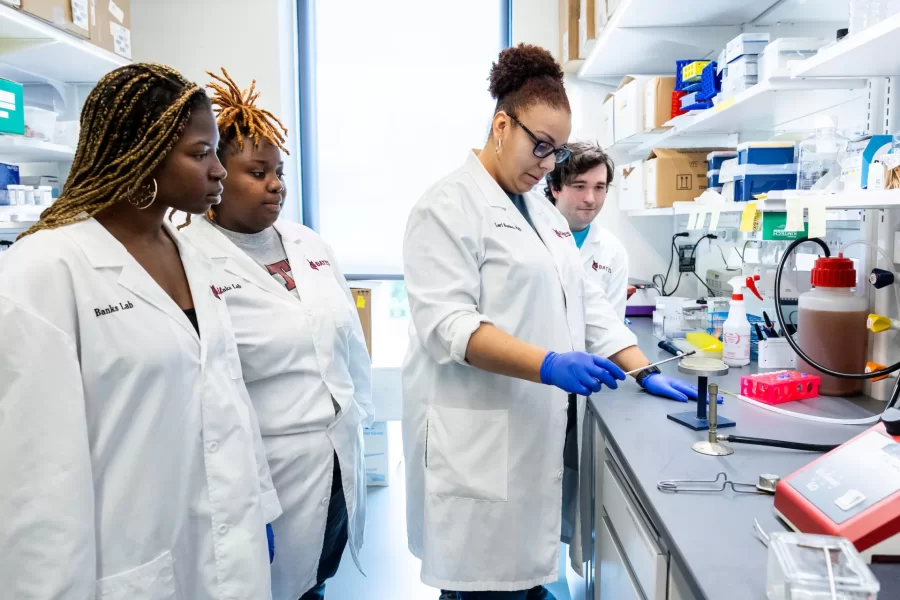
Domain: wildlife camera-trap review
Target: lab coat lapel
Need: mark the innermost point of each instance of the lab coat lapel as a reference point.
(296, 253)
(236, 261)
(105, 251)
(198, 271)
(495, 195)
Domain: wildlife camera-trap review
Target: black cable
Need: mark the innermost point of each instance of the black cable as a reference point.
(709, 289)
(665, 279)
(739, 439)
(779, 314)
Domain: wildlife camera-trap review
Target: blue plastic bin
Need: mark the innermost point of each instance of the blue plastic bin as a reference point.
(712, 179)
(679, 65)
(711, 82)
(766, 153)
(750, 180)
(714, 160)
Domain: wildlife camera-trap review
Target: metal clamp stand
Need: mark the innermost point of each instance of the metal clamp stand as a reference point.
(703, 368)
(712, 447)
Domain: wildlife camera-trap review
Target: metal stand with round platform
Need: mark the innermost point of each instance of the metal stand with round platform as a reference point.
(703, 369)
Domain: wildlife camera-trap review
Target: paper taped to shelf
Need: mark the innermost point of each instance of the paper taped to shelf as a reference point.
(794, 214)
(817, 218)
(749, 218)
(701, 218)
(692, 221)
(714, 219)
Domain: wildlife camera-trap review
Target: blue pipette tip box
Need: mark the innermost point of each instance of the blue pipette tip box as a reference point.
(690, 420)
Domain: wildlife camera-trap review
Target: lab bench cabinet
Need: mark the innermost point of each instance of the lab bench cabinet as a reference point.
(629, 561)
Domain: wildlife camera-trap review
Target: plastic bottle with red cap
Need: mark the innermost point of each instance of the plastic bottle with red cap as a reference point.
(736, 329)
(832, 326)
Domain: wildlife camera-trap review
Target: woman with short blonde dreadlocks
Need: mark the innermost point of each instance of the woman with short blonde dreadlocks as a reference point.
(130, 457)
(301, 347)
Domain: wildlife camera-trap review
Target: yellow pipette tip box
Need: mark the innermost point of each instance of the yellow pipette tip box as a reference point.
(705, 344)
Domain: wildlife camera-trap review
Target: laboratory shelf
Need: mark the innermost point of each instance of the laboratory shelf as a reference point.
(872, 52)
(653, 212)
(765, 107)
(17, 150)
(32, 51)
(644, 37)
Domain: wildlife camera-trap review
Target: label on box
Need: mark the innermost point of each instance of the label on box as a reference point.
(122, 39)
(360, 302)
(774, 227)
(116, 12)
(81, 14)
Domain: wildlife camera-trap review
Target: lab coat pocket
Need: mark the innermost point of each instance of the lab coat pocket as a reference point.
(154, 580)
(467, 453)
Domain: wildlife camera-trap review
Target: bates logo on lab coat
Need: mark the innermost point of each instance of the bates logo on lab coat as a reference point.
(99, 312)
(315, 264)
(598, 267)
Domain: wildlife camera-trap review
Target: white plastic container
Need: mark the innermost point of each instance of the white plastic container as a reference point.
(744, 66)
(819, 158)
(39, 123)
(746, 43)
(45, 193)
(778, 57)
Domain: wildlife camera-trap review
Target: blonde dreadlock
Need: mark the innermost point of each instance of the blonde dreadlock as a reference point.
(129, 124)
(238, 115)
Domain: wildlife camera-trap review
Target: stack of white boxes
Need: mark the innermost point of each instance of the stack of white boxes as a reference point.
(742, 63)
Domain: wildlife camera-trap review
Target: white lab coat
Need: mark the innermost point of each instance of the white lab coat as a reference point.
(606, 264)
(484, 452)
(268, 320)
(130, 457)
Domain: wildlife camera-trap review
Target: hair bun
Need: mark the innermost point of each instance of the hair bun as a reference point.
(517, 65)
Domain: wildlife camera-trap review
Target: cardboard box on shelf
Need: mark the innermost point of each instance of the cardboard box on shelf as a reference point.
(632, 186)
(608, 119)
(111, 26)
(73, 16)
(658, 102)
(586, 27)
(12, 107)
(568, 30)
(630, 107)
(362, 298)
(675, 175)
(12, 2)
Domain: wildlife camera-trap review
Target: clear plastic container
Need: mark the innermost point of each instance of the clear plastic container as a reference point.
(40, 123)
(817, 567)
(831, 325)
(819, 158)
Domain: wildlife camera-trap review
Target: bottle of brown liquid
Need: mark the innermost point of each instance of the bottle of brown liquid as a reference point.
(832, 326)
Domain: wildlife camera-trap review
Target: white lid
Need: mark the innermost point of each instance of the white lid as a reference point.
(750, 37)
(790, 44)
(712, 172)
(743, 171)
(721, 154)
(748, 145)
(746, 58)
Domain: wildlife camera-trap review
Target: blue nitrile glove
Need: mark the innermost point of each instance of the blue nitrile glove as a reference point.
(579, 372)
(672, 388)
(270, 536)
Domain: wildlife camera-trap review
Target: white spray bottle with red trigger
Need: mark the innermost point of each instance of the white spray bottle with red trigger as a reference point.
(736, 330)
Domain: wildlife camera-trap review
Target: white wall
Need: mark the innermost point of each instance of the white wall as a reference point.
(253, 39)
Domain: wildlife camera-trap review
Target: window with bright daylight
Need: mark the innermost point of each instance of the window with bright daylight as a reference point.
(402, 96)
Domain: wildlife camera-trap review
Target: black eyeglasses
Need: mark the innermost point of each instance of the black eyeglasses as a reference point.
(544, 149)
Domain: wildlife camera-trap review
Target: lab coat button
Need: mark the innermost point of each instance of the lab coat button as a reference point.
(212, 447)
(325, 502)
(223, 529)
(559, 475)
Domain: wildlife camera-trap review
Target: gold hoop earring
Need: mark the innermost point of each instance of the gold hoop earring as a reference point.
(149, 192)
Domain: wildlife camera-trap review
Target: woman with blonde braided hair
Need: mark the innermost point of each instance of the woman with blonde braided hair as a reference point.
(130, 457)
(301, 347)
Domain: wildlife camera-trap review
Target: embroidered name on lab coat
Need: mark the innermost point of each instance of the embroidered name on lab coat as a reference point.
(562, 234)
(507, 226)
(99, 312)
(218, 291)
(598, 267)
